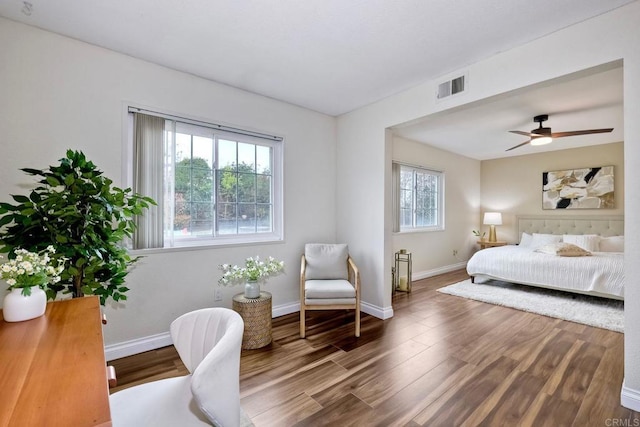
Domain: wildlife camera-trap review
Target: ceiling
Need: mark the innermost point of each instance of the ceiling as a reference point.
(331, 56)
(592, 99)
(334, 56)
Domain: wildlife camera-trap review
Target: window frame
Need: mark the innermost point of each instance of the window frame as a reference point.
(233, 133)
(440, 199)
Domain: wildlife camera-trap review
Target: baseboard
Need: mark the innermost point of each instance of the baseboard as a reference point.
(281, 310)
(382, 313)
(153, 342)
(440, 270)
(630, 398)
(140, 345)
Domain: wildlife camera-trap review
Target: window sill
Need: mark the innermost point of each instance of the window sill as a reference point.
(196, 245)
(419, 230)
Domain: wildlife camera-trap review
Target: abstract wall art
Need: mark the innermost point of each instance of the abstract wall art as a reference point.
(586, 188)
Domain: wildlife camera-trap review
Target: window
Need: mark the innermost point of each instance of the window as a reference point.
(213, 184)
(418, 198)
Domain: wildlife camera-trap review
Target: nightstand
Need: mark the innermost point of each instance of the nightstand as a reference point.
(487, 244)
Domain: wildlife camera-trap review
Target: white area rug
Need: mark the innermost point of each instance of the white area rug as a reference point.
(593, 311)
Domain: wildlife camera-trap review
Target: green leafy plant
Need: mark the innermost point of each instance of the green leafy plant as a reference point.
(477, 234)
(253, 270)
(78, 211)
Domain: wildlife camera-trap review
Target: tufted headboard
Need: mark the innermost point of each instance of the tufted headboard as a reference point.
(602, 225)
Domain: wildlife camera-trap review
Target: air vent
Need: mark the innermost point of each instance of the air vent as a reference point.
(451, 87)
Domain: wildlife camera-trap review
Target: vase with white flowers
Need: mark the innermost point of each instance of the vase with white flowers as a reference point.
(27, 274)
(251, 274)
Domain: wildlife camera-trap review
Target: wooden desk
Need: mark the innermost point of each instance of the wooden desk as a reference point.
(53, 369)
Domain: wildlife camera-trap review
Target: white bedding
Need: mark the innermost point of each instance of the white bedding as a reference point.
(601, 274)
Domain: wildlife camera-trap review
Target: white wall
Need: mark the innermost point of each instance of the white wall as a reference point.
(513, 185)
(364, 153)
(58, 93)
(432, 251)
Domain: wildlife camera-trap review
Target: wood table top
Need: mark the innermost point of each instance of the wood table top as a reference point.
(53, 369)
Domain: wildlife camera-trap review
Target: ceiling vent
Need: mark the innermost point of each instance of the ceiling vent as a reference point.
(451, 87)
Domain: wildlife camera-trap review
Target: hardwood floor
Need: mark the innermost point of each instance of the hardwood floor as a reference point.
(441, 360)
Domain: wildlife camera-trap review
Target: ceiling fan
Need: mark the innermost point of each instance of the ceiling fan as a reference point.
(543, 135)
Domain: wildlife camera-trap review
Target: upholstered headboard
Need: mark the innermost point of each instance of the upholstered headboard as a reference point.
(603, 225)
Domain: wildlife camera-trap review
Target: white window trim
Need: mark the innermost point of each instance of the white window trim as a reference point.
(276, 142)
(441, 202)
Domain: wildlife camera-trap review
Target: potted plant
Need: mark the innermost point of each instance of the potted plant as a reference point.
(78, 211)
(27, 274)
(478, 234)
(253, 271)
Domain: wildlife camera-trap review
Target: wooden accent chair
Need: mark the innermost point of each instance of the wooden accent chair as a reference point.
(208, 342)
(329, 280)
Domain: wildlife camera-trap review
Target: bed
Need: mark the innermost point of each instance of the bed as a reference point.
(600, 274)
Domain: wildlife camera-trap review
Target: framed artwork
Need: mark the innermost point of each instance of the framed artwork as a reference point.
(586, 188)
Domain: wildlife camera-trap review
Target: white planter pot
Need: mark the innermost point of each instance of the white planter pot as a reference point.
(252, 290)
(17, 307)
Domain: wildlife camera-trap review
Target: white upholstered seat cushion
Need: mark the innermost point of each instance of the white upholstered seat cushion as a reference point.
(171, 401)
(329, 292)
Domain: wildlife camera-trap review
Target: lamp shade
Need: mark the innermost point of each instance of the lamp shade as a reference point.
(492, 218)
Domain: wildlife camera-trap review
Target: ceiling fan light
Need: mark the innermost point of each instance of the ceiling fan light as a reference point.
(541, 140)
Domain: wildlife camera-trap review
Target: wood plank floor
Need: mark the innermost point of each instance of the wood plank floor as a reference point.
(440, 361)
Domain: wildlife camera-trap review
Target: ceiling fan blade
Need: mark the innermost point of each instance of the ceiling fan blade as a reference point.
(519, 132)
(519, 145)
(579, 132)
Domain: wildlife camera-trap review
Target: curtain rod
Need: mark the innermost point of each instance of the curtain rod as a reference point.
(205, 124)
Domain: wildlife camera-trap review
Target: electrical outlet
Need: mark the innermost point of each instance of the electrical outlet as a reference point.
(455, 252)
(217, 295)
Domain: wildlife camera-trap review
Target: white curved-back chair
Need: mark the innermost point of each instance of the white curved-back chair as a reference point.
(209, 343)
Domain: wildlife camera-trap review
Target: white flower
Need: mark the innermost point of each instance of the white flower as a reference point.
(31, 268)
(26, 266)
(254, 269)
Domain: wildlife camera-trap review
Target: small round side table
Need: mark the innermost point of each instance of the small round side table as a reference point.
(256, 313)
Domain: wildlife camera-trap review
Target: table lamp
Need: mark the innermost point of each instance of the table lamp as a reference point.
(492, 219)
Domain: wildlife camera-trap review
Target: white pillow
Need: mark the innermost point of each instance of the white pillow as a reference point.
(612, 244)
(588, 242)
(538, 240)
(525, 240)
(563, 249)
